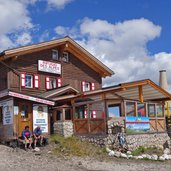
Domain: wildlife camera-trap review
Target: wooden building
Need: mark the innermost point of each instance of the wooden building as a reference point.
(32, 76)
(59, 81)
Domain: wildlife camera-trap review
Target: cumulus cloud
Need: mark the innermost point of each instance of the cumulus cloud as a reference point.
(59, 4)
(14, 21)
(122, 47)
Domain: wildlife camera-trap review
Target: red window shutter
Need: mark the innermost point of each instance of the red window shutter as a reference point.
(92, 86)
(83, 86)
(59, 82)
(94, 112)
(36, 81)
(47, 83)
(23, 79)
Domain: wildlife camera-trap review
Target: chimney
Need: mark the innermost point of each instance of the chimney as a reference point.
(163, 80)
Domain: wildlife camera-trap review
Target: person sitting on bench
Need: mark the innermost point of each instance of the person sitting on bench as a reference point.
(26, 137)
(37, 133)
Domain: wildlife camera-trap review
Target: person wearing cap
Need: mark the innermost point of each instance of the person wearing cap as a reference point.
(37, 134)
(27, 137)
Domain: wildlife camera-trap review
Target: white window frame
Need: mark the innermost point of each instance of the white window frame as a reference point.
(55, 52)
(65, 57)
(87, 86)
(50, 83)
(26, 86)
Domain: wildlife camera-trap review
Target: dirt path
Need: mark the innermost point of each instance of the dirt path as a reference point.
(19, 160)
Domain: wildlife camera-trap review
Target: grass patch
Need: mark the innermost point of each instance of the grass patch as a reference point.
(147, 150)
(73, 146)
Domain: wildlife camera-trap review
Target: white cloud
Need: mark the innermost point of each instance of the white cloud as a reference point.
(44, 36)
(122, 47)
(14, 19)
(23, 39)
(59, 4)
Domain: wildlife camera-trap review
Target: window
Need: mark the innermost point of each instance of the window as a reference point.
(24, 111)
(28, 81)
(81, 112)
(141, 109)
(114, 110)
(87, 86)
(55, 54)
(67, 114)
(65, 57)
(58, 115)
(159, 110)
(151, 110)
(52, 83)
(130, 109)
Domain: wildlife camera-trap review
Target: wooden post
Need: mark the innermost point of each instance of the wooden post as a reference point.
(63, 114)
(141, 98)
(105, 113)
(88, 116)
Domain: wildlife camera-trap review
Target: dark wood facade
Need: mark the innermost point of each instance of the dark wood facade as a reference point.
(73, 72)
(81, 67)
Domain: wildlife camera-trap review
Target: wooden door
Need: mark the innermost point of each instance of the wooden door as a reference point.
(25, 116)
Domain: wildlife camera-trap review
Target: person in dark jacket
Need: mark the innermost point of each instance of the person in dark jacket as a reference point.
(37, 134)
(27, 137)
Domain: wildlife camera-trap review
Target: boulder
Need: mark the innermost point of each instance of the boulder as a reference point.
(117, 154)
(140, 157)
(148, 156)
(124, 155)
(111, 153)
(130, 156)
(128, 153)
(144, 155)
(37, 149)
(154, 157)
(166, 156)
(108, 150)
(161, 158)
(169, 156)
(166, 151)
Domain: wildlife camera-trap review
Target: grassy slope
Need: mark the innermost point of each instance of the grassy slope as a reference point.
(74, 147)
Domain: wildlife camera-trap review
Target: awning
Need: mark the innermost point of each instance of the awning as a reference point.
(143, 90)
(26, 97)
(65, 91)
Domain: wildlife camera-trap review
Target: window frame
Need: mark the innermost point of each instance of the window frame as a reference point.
(58, 82)
(115, 105)
(152, 116)
(135, 110)
(57, 58)
(31, 80)
(64, 59)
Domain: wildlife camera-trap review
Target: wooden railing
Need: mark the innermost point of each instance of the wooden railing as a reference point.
(91, 126)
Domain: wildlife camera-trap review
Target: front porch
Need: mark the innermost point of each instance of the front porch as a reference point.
(98, 111)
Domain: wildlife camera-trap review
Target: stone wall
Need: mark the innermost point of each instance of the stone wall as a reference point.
(113, 125)
(133, 141)
(64, 128)
(150, 139)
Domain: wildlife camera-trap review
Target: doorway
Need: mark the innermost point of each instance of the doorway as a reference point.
(25, 117)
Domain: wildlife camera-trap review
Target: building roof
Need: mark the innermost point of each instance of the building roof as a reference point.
(59, 91)
(69, 45)
(142, 90)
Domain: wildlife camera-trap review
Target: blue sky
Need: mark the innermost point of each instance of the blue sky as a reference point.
(132, 37)
(111, 10)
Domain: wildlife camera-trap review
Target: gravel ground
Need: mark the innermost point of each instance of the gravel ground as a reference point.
(19, 160)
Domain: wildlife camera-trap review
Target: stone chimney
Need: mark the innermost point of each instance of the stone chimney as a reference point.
(163, 80)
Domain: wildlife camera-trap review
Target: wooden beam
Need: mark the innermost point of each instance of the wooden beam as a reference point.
(140, 89)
